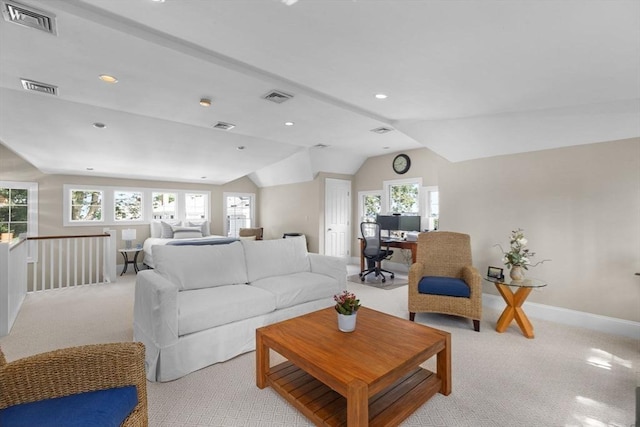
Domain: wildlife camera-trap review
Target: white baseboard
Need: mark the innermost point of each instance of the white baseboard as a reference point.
(596, 322)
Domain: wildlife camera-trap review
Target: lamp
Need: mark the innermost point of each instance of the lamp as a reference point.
(128, 235)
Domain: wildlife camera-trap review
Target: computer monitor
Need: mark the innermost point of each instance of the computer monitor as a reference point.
(388, 222)
(409, 223)
(399, 222)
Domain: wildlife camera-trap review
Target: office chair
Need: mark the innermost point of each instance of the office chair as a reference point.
(373, 251)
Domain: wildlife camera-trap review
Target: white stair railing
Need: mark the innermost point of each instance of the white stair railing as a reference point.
(67, 261)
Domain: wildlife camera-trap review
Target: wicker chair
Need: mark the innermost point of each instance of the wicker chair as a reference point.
(76, 370)
(248, 232)
(445, 254)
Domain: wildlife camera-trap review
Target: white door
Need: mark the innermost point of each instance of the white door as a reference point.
(337, 215)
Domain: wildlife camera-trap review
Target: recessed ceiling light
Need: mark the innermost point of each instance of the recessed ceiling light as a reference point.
(242, 147)
(158, 1)
(385, 148)
(203, 177)
(289, 123)
(89, 169)
(205, 102)
(99, 125)
(107, 78)
(381, 96)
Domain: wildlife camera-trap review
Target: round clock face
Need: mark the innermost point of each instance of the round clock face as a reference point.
(401, 163)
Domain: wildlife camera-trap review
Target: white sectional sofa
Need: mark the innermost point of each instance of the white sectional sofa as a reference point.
(202, 304)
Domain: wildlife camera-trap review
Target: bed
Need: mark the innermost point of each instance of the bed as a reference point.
(192, 233)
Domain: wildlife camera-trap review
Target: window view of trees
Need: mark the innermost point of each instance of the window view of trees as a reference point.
(403, 198)
(13, 210)
(86, 205)
(372, 205)
(128, 205)
(164, 205)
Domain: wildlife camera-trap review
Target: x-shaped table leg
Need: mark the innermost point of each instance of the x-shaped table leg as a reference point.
(514, 309)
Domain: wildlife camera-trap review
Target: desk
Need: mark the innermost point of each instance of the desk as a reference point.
(514, 301)
(402, 244)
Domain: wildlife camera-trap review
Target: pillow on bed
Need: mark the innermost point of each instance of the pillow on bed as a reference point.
(186, 232)
(204, 227)
(167, 230)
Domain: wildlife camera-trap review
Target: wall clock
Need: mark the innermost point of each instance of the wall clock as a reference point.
(401, 163)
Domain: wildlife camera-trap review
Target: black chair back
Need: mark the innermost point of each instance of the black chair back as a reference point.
(372, 239)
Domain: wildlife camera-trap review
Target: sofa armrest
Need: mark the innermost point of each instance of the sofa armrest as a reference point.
(155, 309)
(330, 266)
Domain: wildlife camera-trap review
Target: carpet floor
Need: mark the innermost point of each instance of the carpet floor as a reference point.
(566, 376)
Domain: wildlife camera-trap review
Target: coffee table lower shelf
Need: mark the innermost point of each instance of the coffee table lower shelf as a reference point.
(325, 407)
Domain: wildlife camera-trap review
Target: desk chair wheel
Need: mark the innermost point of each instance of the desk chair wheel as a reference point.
(393, 275)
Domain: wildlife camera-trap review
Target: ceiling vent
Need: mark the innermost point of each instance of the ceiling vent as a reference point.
(39, 87)
(277, 96)
(223, 126)
(320, 145)
(381, 130)
(29, 17)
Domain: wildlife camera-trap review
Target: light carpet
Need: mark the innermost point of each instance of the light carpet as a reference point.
(566, 376)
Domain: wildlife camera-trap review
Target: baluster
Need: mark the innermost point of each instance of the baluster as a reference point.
(90, 241)
(68, 257)
(60, 263)
(83, 251)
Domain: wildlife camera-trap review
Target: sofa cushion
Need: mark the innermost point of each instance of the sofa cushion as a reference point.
(201, 309)
(297, 288)
(195, 267)
(106, 408)
(447, 286)
(278, 257)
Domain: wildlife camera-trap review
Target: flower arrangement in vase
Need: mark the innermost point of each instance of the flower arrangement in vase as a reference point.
(518, 258)
(347, 305)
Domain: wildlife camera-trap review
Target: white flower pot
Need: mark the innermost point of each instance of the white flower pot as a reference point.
(347, 323)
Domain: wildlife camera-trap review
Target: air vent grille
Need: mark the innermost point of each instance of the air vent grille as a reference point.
(320, 145)
(277, 96)
(223, 126)
(381, 130)
(39, 87)
(29, 17)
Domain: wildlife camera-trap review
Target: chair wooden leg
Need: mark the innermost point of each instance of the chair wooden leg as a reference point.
(412, 316)
(476, 325)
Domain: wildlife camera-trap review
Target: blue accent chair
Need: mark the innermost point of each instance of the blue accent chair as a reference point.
(92, 385)
(443, 279)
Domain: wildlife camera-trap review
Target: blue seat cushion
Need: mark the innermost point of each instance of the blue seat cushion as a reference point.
(447, 286)
(103, 408)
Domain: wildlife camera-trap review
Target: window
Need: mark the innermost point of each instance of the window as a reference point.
(128, 205)
(164, 205)
(402, 196)
(86, 205)
(432, 204)
(18, 207)
(370, 205)
(196, 206)
(238, 211)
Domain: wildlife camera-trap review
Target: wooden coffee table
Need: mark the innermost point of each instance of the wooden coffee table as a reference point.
(367, 377)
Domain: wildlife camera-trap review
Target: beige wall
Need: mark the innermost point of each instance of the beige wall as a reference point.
(50, 189)
(425, 164)
(296, 208)
(579, 207)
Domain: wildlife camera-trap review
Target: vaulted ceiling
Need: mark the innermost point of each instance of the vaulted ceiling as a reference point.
(466, 79)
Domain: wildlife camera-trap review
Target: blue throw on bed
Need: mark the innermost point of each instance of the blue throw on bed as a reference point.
(200, 242)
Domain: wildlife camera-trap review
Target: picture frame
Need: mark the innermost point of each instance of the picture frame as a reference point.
(495, 273)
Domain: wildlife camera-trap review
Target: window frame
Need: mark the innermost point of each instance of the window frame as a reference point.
(252, 211)
(386, 191)
(108, 201)
(361, 206)
(32, 212)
